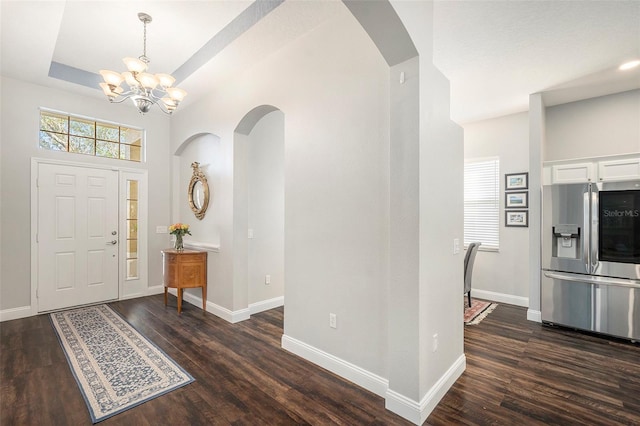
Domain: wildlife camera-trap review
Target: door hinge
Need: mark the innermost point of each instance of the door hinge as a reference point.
(37, 236)
(37, 293)
(37, 182)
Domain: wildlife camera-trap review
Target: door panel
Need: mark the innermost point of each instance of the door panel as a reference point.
(567, 303)
(565, 205)
(77, 213)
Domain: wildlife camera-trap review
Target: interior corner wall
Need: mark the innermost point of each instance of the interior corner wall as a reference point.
(206, 150)
(502, 274)
(20, 123)
(606, 125)
(537, 135)
(440, 222)
(265, 152)
(404, 238)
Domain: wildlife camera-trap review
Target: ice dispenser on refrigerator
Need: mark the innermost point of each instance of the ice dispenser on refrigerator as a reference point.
(566, 241)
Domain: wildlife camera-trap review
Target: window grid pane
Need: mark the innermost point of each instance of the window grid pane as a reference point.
(82, 145)
(482, 202)
(54, 141)
(132, 229)
(63, 132)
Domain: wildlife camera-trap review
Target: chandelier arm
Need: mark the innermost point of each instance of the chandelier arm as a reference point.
(154, 96)
(163, 108)
(120, 99)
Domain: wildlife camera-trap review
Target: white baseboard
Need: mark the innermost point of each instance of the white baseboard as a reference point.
(156, 289)
(16, 313)
(342, 368)
(265, 305)
(228, 315)
(534, 315)
(417, 412)
(26, 311)
(217, 310)
(500, 297)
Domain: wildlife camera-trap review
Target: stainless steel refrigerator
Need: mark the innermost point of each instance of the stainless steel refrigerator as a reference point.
(591, 257)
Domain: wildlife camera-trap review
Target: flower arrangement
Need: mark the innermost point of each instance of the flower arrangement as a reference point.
(179, 230)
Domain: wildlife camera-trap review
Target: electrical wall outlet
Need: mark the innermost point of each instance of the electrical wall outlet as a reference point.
(267, 279)
(434, 346)
(333, 321)
(456, 245)
(161, 230)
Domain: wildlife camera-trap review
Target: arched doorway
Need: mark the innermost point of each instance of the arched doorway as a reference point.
(259, 207)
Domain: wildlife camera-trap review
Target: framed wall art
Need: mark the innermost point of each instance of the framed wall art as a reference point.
(514, 181)
(518, 200)
(518, 218)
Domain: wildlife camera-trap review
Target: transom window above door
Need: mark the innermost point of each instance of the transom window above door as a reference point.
(83, 135)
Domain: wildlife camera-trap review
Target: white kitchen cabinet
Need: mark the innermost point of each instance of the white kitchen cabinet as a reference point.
(573, 173)
(619, 170)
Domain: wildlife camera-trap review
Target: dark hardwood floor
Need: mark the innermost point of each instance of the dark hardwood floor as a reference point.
(518, 372)
(243, 377)
(522, 373)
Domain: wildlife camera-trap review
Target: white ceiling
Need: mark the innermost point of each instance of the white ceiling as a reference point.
(495, 53)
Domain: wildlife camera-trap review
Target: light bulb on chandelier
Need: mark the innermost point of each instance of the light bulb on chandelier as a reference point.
(145, 89)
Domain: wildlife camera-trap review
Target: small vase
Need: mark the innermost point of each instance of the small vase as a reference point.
(179, 245)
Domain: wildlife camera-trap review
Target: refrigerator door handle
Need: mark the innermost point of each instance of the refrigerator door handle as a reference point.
(586, 230)
(593, 254)
(592, 279)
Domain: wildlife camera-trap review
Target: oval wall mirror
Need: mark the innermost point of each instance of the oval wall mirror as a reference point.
(198, 192)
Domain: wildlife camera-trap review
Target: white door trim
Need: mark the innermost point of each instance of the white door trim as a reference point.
(35, 162)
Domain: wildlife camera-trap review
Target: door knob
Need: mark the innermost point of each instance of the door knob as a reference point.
(114, 232)
(112, 242)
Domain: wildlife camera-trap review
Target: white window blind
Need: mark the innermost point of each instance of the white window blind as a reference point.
(482, 202)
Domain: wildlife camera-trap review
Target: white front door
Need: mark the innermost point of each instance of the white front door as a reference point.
(77, 236)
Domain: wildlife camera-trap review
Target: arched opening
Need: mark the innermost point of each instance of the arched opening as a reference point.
(259, 207)
(205, 148)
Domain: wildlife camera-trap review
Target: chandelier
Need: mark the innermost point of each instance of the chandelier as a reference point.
(145, 89)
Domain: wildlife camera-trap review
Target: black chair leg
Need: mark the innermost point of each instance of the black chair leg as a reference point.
(469, 295)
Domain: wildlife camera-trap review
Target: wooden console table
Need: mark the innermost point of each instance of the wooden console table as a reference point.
(184, 269)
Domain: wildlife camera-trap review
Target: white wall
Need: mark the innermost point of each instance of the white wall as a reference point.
(506, 271)
(595, 127)
(332, 86)
(266, 207)
(204, 149)
(20, 124)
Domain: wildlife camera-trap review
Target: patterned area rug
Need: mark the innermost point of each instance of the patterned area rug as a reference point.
(115, 366)
(478, 311)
